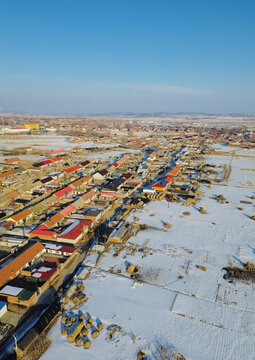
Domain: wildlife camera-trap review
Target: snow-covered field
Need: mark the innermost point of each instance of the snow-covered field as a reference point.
(46, 142)
(22, 157)
(176, 304)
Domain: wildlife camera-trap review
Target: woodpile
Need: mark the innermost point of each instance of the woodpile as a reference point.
(250, 266)
(86, 343)
(167, 225)
(84, 332)
(100, 326)
(78, 341)
(202, 211)
(89, 326)
(64, 331)
(141, 355)
(132, 269)
(95, 333)
(186, 213)
(200, 267)
(64, 319)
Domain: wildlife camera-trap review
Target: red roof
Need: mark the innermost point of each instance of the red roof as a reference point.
(74, 231)
(134, 182)
(47, 179)
(44, 275)
(156, 185)
(72, 169)
(46, 162)
(127, 175)
(68, 209)
(39, 164)
(63, 192)
(116, 164)
(84, 163)
(169, 179)
(103, 172)
(67, 249)
(43, 230)
(6, 224)
(56, 151)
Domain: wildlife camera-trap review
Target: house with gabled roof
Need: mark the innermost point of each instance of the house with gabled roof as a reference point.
(21, 216)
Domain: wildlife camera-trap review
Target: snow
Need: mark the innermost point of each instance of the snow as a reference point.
(52, 246)
(175, 303)
(37, 275)
(46, 142)
(11, 290)
(44, 269)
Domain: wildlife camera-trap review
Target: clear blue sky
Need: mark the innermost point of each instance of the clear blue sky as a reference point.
(91, 56)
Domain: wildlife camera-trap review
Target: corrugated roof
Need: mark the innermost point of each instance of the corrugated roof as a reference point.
(68, 209)
(63, 192)
(47, 179)
(20, 215)
(175, 170)
(72, 169)
(84, 163)
(89, 195)
(6, 174)
(47, 162)
(103, 172)
(74, 231)
(42, 232)
(12, 160)
(39, 164)
(19, 262)
(56, 218)
(55, 159)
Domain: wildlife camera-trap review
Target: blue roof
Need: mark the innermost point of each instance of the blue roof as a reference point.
(2, 304)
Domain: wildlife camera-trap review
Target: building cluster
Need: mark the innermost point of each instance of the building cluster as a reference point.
(54, 209)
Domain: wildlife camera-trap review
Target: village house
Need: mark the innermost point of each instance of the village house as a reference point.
(21, 217)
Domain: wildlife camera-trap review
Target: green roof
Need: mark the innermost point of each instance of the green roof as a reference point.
(25, 295)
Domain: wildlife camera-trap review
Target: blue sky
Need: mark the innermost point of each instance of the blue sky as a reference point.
(92, 56)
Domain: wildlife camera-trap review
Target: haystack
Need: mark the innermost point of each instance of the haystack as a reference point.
(64, 318)
(89, 326)
(78, 341)
(202, 211)
(141, 355)
(86, 343)
(64, 331)
(95, 333)
(84, 332)
(100, 326)
(132, 269)
(250, 266)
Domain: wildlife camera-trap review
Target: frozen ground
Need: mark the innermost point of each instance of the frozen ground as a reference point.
(177, 304)
(22, 157)
(45, 142)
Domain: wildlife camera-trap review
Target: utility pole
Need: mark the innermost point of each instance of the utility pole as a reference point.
(2, 116)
